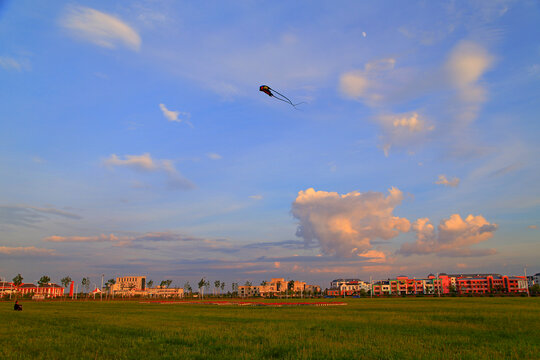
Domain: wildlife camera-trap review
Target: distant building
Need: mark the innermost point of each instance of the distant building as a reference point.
(451, 283)
(136, 286)
(7, 288)
(128, 284)
(278, 286)
(341, 287)
(48, 290)
(164, 292)
(533, 279)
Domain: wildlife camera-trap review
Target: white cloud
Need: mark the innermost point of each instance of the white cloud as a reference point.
(364, 34)
(145, 163)
(174, 115)
(454, 236)
(256, 197)
(345, 225)
(363, 84)
(403, 130)
(466, 64)
(100, 28)
(444, 181)
(354, 84)
(27, 250)
(214, 156)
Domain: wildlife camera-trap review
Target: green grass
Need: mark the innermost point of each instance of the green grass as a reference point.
(410, 328)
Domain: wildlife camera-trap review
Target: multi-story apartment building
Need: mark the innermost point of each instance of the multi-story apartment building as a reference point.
(492, 283)
(340, 287)
(278, 286)
(533, 279)
(453, 283)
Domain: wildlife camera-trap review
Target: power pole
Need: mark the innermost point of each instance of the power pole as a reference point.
(101, 292)
(371, 291)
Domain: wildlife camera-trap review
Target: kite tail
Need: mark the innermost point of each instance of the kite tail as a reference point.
(286, 99)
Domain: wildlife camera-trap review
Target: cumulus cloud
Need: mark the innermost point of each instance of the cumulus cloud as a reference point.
(26, 250)
(403, 130)
(145, 163)
(345, 225)
(453, 237)
(444, 181)
(100, 28)
(174, 115)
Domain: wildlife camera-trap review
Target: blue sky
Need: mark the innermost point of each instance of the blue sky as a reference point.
(134, 140)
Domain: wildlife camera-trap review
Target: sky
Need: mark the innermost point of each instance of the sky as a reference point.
(134, 139)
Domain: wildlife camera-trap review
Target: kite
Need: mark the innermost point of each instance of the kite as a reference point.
(272, 93)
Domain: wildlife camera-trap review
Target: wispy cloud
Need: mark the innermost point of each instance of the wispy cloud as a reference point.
(26, 215)
(100, 28)
(9, 63)
(454, 182)
(174, 116)
(256, 197)
(145, 163)
(26, 251)
(99, 238)
(534, 227)
(214, 156)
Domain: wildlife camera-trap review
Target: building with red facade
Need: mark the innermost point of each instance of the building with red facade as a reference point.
(492, 283)
(46, 291)
(451, 283)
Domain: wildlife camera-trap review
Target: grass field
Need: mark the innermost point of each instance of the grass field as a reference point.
(413, 328)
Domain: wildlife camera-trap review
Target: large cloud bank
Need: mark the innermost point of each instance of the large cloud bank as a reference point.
(345, 225)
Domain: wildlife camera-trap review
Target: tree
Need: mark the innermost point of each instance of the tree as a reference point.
(201, 287)
(187, 288)
(207, 285)
(109, 283)
(222, 286)
(165, 283)
(216, 285)
(85, 282)
(66, 281)
(17, 280)
(534, 290)
(290, 285)
(44, 281)
(150, 283)
(234, 287)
